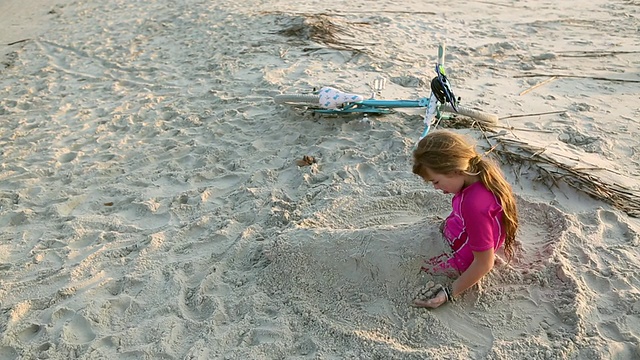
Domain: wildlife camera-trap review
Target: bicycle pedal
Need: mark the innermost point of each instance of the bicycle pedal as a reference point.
(379, 84)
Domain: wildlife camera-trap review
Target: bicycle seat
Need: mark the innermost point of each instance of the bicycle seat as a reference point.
(331, 98)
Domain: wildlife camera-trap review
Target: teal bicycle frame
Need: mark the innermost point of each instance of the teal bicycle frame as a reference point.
(376, 106)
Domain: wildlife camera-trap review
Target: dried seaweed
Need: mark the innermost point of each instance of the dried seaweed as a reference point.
(552, 171)
(533, 114)
(601, 78)
(17, 42)
(597, 53)
(553, 78)
(327, 30)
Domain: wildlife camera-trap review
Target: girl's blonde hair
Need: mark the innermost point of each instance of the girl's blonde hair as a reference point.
(445, 152)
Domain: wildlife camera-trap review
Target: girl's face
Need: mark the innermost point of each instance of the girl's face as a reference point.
(447, 183)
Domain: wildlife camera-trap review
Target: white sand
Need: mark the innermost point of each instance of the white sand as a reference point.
(145, 168)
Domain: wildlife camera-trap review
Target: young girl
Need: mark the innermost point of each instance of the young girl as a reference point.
(483, 217)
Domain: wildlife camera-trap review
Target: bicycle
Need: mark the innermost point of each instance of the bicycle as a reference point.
(332, 101)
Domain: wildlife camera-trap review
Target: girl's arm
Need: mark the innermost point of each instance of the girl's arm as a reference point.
(481, 265)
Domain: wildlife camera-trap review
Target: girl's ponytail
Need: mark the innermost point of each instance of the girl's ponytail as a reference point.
(494, 181)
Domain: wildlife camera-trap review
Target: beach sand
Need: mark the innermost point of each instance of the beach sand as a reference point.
(151, 206)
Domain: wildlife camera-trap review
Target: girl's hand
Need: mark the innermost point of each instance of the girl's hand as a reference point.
(431, 296)
(432, 303)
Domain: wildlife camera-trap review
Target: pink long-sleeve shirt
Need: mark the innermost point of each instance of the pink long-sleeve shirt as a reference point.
(475, 224)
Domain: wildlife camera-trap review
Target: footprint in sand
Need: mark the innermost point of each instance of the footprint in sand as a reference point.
(8, 353)
(29, 333)
(78, 331)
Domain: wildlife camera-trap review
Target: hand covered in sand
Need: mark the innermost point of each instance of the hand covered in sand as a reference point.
(431, 295)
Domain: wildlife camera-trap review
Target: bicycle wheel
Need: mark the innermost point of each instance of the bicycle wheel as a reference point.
(301, 99)
(482, 117)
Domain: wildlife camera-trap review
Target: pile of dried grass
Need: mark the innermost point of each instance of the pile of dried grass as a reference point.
(327, 30)
(582, 179)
